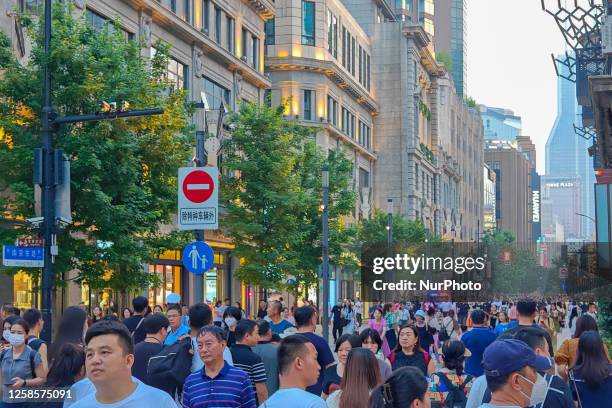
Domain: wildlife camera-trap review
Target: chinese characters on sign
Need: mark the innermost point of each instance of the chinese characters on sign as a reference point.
(198, 198)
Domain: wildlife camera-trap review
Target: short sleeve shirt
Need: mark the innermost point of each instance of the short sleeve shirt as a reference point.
(438, 390)
(20, 367)
(249, 362)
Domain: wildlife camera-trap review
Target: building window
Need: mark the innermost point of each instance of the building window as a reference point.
(176, 73)
(34, 7)
(218, 25)
(368, 72)
(344, 46)
(255, 52)
(360, 65)
(308, 103)
(269, 30)
(187, 10)
(98, 22)
(332, 34)
(428, 25)
(353, 56)
(268, 98)
(216, 93)
(416, 172)
(229, 21)
(364, 178)
(205, 15)
(308, 22)
(348, 123)
(245, 35)
(332, 111)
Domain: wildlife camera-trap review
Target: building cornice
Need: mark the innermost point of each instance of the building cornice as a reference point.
(162, 16)
(333, 72)
(265, 8)
(423, 42)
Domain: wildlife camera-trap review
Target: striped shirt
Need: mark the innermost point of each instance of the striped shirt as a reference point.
(230, 388)
(249, 362)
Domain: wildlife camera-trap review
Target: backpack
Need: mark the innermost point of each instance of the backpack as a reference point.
(35, 343)
(443, 333)
(170, 367)
(392, 358)
(456, 398)
(32, 366)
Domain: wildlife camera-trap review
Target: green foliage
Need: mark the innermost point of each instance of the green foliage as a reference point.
(470, 102)
(123, 172)
(273, 197)
(424, 109)
(604, 318)
(429, 155)
(445, 59)
(373, 230)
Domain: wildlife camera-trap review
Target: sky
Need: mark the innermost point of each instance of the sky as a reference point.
(509, 64)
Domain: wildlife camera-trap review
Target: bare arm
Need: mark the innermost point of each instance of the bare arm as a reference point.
(43, 355)
(431, 367)
(262, 392)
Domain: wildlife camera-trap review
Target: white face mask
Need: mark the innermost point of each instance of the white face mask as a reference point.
(230, 321)
(538, 392)
(16, 339)
(6, 334)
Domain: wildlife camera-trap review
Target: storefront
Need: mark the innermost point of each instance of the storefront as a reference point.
(23, 296)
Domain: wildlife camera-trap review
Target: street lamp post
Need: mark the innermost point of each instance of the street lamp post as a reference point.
(49, 123)
(325, 255)
(389, 227)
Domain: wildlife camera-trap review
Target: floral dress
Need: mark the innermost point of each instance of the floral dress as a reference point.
(438, 390)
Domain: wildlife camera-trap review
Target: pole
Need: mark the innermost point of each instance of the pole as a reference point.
(389, 238)
(198, 286)
(48, 190)
(325, 248)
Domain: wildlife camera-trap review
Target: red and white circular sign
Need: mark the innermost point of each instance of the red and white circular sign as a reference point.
(198, 186)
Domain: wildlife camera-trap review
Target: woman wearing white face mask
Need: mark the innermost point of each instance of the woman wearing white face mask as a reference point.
(20, 366)
(231, 317)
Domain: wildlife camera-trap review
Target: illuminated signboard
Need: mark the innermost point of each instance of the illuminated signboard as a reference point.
(535, 199)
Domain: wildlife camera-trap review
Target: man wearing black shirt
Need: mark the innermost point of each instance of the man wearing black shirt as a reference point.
(134, 323)
(336, 319)
(462, 312)
(527, 310)
(155, 327)
(245, 359)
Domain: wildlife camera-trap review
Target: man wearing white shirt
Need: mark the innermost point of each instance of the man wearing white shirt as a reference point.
(108, 360)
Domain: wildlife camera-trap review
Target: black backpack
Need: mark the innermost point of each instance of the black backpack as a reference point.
(170, 367)
(456, 398)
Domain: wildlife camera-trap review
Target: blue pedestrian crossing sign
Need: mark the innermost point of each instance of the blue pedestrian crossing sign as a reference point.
(198, 257)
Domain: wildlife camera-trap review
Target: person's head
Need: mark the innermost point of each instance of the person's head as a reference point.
(127, 313)
(386, 308)
(361, 375)
(371, 340)
(407, 338)
(297, 359)
(406, 388)
(263, 305)
(156, 325)
(493, 308)
(377, 314)
(502, 317)
(7, 310)
(585, 323)
(97, 312)
(534, 338)
(140, 304)
(185, 309)
(158, 309)
(478, 317)
(34, 319)
(543, 313)
(238, 305)
(264, 330)
(339, 302)
(305, 316)
(526, 308)
(345, 344)
(420, 316)
(231, 316)
(109, 353)
(71, 329)
(431, 312)
(592, 308)
(451, 314)
(8, 322)
(454, 354)
(227, 301)
(247, 333)
(200, 315)
(218, 303)
(211, 343)
(592, 359)
(511, 368)
(68, 367)
(274, 309)
(19, 332)
(175, 316)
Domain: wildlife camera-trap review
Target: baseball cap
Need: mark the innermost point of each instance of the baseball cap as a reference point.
(503, 357)
(420, 313)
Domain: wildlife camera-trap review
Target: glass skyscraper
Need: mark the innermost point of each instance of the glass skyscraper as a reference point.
(566, 152)
(451, 37)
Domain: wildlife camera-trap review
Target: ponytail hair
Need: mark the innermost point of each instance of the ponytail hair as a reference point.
(67, 365)
(401, 389)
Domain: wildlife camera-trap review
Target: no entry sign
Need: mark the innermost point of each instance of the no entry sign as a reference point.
(198, 198)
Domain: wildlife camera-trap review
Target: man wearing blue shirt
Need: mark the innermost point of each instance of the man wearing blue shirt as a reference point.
(177, 328)
(277, 323)
(477, 340)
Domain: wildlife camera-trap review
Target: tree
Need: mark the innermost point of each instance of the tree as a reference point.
(445, 59)
(123, 172)
(273, 197)
(470, 102)
(374, 230)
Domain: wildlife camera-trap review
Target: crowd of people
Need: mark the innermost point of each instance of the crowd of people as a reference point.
(396, 355)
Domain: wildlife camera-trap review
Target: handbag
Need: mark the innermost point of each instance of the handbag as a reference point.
(571, 375)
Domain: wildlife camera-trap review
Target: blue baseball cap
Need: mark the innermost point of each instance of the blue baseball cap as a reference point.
(420, 313)
(503, 357)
